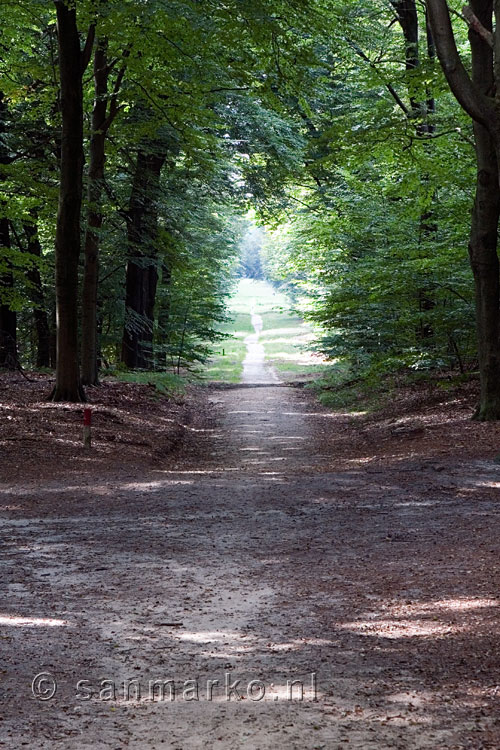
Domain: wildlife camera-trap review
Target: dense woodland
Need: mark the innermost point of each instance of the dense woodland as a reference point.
(134, 136)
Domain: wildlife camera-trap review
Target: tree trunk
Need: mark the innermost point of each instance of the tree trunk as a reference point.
(96, 176)
(476, 98)
(484, 262)
(37, 298)
(53, 336)
(164, 308)
(483, 242)
(142, 272)
(8, 318)
(421, 108)
(68, 387)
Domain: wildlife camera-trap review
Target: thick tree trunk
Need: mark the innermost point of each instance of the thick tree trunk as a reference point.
(37, 297)
(89, 367)
(476, 98)
(68, 387)
(142, 273)
(484, 262)
(483, 245)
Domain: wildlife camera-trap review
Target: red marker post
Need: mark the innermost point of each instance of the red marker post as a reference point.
(87, 421)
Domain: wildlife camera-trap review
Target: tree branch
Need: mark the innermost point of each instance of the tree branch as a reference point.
(114, 108)
(87, 50)
(392, 91)
(475, 24)
(478, 106)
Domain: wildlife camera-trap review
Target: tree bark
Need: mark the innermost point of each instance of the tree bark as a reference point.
(478, 105)
(483, 244)
(476, 96)
(485, 268)
(142, 272)
(420, 109)
(89, 368)
(68, 386)
(37, 297)
(8, 318)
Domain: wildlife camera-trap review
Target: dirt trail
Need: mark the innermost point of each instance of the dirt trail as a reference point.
(375, 587)
(255, 369)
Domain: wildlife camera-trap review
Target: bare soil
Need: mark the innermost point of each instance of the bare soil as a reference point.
(248, 534)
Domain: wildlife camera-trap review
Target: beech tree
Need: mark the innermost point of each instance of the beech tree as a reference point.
(104, 111)
(319, 115)
(142, 265)
(478, 94)
(8, 322)
(72, 64)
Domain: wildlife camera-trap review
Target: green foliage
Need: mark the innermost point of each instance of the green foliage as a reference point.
(373, 245)
(304, 110)
(166, 384)
(250, 264)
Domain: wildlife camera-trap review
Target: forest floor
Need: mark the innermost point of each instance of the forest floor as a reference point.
(248, 534)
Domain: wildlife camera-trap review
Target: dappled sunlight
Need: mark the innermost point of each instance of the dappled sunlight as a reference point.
(210, 636)
(21, 621)
(306, 360)
(185, 471)
(287, 331)
(413, 698)
(325, 415)
(419, 619)
(400, 628)
(458, 605)
(157, 485)
(286, 438)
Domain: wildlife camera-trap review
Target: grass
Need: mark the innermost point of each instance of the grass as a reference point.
(165, 383)
(285, 336)
(226, 365)
(366, 391)
(339, 391)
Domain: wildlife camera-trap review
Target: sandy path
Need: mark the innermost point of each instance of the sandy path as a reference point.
(255, 369)
(256, 564)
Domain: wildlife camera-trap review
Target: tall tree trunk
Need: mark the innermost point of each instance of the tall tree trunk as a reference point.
(483, 244)
(71, 66)
(102, 119)
(37, 297)
(165, 307)
(484, 262)
(420, 109)
(476, 96)
(89, 369)
(142, 272)
(8, 318)
(53, 335)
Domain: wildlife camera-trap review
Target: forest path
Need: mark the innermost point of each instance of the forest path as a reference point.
(253, 561)
(255, 369)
